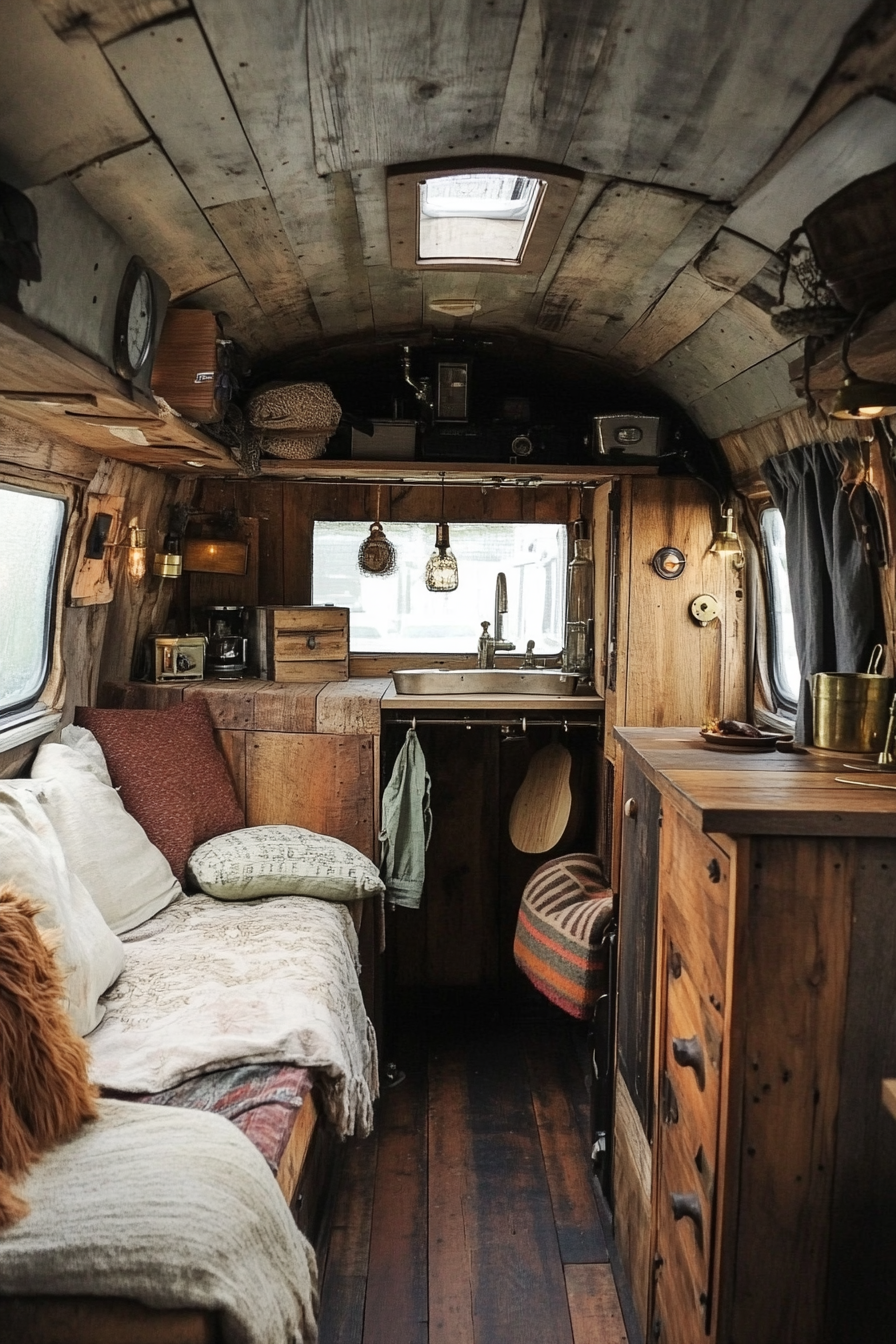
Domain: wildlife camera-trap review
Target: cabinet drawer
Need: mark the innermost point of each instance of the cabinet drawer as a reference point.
(695, 887)
(683, 1251)
(314, 646)
(692, 1059)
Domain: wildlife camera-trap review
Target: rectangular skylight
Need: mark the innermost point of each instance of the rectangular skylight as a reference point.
(477, 217)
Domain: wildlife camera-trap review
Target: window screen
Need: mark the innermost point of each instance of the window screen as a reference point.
(397, 614)
(784, 665)
(30, 535)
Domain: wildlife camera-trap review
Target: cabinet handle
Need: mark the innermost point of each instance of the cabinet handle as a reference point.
(688, 1206)
(714, 870)
(688, 1054)
(630, 808)
(311, 642)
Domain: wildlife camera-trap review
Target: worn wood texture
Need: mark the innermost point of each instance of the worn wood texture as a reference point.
(344, 1286)
(594, 1305)
(105, 19)
(279, 766)
(730, 93)
(748, 448)
(62, 105)
(92, 582)
(351, 706)
(287, 709)
(451, 1192)
(91, 1320)
(168, 230)
(632, 1184)
(289, 1170)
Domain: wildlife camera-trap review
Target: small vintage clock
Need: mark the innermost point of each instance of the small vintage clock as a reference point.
(134, 320)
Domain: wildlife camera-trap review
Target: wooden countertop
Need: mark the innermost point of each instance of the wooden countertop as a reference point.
(533, 703)
(770, 793)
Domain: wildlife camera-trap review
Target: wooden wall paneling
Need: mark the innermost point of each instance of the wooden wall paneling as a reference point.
(600, 546)
(735, 338)
(724, 111)
(795, 985)
(693, 296)
(863, 1233)
(322, 782)
(106, 19)
(406, 85)
(760, 393)
(169, 72)
(233, 748)
(62, 105)
(672, 665)
(625, 233)
(253, 234)
(92, 581)
(748, 448)
(298, 531)
(557, 46)
(632, 1185)
(615, 695)
(25, 448)
(351, 706)
(15, 762)
(167, 229)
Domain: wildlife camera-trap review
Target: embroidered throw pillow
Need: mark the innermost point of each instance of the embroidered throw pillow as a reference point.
(171, 776)
(128, 877)
(282, 861)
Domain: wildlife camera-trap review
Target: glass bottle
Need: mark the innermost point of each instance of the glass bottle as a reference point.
(577, 649)
(441, 568)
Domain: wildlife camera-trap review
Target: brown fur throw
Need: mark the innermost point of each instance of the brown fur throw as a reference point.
(45, 1094)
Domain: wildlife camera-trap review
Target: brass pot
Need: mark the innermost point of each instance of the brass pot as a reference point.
(850, 710)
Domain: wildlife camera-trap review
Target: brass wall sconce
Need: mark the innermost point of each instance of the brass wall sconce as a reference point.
(727, 542)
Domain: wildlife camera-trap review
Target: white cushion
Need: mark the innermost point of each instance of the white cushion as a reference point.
(83, 741)
(31, 861)
(129, 879)
(282, 861)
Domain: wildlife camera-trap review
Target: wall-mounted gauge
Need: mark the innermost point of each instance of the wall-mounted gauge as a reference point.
(669, 562)
(134, 320)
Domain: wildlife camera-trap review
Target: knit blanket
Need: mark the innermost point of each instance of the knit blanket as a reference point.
(174, 1209)
(212, 984)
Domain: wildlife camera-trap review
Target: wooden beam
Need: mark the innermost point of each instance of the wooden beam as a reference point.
(62, 105)
(699, 99)
(144, 199)
(392, 83)
(169, 72)
(872, 354)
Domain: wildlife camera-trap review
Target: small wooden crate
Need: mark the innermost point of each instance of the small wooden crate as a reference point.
(300, 643)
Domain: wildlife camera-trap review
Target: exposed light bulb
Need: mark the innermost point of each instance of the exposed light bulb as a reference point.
(137, 554)
(441, 568)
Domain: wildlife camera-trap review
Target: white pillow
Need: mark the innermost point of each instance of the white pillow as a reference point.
(83, 741)
(129, 879)
(282, 861)
(31, 861)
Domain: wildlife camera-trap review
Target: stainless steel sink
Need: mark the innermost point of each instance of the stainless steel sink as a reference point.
(483, 681)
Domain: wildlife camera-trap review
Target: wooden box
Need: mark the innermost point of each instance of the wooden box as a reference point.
(185, 369)
(299, 643)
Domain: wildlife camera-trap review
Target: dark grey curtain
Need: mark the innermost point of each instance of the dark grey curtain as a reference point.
(831, 582)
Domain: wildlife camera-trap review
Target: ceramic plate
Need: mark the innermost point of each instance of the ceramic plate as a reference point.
(734, 742)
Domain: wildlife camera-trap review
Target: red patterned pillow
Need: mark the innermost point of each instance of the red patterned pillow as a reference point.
(170, 773)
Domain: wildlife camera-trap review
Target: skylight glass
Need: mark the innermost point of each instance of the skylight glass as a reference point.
(477, 217)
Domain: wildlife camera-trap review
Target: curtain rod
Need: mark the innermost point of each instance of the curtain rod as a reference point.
(523, 722)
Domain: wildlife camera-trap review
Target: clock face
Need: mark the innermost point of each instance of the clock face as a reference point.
(134, 320)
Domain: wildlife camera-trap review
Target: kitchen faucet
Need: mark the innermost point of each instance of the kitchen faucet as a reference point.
(488, 644)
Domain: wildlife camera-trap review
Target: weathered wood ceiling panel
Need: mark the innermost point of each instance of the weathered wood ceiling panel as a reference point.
(234, 300)
(392, 82)
(105, 19)
(625, 233)
(756, 394)
(698, 93)
(60, 104)
(169, 72)
(141, 196)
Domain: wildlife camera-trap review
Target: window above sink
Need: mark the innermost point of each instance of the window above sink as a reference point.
(396, 613)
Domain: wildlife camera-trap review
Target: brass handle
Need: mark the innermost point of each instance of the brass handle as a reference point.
(630, 808)
(688, 1054)
(311, 642)
(687, 1206)
(714, 870)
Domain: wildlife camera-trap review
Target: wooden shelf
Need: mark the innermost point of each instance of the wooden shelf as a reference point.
(48, 383)
(475, 473)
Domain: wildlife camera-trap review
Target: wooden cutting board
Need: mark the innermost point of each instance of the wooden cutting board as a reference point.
(540, 811)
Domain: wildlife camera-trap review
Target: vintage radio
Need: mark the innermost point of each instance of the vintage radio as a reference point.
(177, 658)
(628, 435)
(299, 643)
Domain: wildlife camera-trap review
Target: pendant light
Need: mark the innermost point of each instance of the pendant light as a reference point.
(441, 568)
(376, 554)
(860, 398)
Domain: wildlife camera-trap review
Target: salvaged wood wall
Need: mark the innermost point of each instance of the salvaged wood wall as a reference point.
(241, 149)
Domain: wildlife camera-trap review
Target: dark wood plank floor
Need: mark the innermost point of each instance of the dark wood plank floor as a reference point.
(469, 1217)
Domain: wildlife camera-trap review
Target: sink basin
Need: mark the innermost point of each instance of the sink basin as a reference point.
(483, 681)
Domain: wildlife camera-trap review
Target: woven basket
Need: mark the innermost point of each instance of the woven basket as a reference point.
(286, 444)
(296, 407)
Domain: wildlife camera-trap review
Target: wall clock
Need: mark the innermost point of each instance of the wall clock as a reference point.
(134, 320)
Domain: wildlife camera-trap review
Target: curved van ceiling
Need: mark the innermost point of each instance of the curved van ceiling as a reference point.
(242, 150)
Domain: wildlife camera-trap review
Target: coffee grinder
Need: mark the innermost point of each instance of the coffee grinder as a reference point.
(227, 642)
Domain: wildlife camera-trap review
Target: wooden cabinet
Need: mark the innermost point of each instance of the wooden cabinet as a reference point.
(771, 1174)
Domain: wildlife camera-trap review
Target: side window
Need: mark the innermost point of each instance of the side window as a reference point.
(784, 668)
(31, 527)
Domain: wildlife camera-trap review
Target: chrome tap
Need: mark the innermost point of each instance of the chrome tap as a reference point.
(500, 609)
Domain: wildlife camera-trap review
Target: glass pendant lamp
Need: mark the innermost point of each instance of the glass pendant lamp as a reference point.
(441, 568)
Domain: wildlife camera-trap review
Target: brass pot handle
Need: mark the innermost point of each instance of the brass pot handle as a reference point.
(688, 1054)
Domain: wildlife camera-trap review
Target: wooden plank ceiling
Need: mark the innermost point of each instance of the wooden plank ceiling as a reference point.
(241, 149)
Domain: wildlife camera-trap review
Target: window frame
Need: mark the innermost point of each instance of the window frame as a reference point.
(783, 704)
(403, 197)
(9, 714)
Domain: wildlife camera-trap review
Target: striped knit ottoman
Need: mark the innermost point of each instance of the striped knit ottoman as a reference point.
(564, 914)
